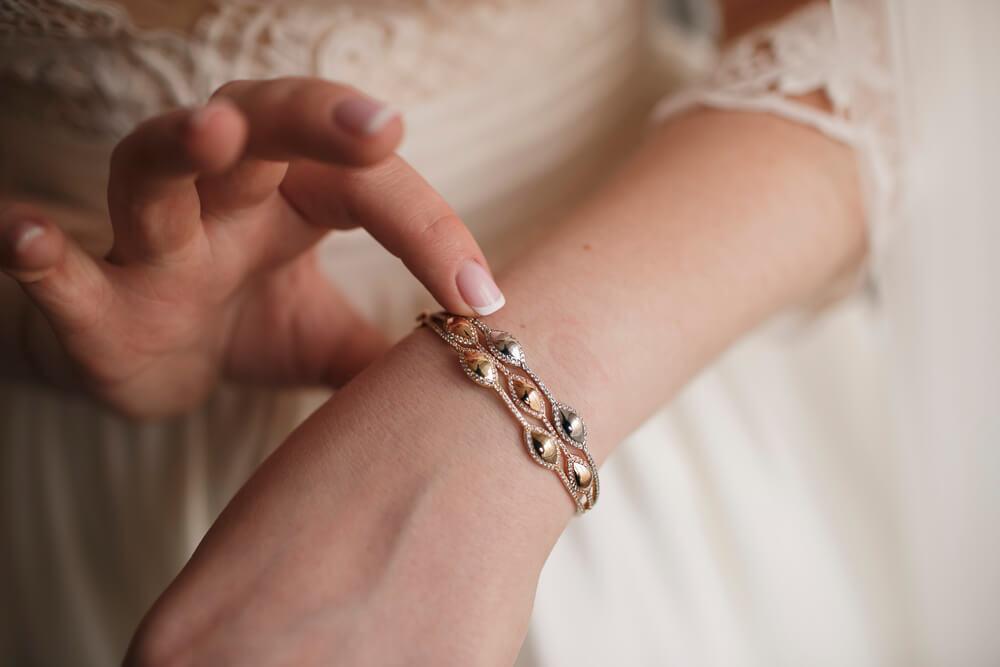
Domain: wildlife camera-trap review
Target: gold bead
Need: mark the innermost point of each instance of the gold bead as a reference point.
(544, 445)
(463, 328)
(527, 393)
(582, 475)
(479, 366)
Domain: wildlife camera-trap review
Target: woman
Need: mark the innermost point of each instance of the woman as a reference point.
(402, 523)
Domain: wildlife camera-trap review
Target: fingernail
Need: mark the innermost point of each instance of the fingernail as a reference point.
(17, 239)
(25, 234)
(478, 289)
(202, 116)
(362, 116)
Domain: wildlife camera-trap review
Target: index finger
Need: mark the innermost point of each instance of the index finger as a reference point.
(292, 117)
(407, 217)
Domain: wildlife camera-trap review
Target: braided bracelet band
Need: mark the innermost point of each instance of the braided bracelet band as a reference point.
(554, 434)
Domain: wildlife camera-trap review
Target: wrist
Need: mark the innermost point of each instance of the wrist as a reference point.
(477, 453)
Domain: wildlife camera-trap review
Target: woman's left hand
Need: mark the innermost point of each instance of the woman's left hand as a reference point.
(386, 531)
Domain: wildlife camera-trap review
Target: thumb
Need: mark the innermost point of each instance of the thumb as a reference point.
(63, 280)
(409, 218)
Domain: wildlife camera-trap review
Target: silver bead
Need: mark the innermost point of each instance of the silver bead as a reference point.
(508, 346)
(571, 424)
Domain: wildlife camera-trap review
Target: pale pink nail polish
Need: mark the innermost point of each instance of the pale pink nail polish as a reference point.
(478, 289)
(362, 116)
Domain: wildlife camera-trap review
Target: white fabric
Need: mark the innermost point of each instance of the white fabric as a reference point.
(939, 293)
(749, 523)
(840, 50)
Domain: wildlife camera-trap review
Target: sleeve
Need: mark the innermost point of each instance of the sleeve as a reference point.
(839, 49)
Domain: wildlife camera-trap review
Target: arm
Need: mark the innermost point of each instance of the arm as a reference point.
(405, 514)
(216, 214)
(719, 221)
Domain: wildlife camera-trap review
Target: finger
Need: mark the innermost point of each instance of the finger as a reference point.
(293, 118)
(152, 196)
(66, 283)
(409, 218)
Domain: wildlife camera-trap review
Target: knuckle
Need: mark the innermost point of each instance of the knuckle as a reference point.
(232, 89)
(441, 231)
(309, 94)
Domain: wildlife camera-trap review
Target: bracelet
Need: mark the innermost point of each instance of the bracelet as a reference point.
(554, 434)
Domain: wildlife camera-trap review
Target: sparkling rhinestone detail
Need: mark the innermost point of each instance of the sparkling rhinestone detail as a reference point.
(554, 433)
(480, 367)
(463, 328)
(527, 395)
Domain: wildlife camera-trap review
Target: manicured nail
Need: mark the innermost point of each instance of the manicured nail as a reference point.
(478, 289)
(362, 116)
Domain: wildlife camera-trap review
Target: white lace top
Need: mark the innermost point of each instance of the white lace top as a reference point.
(514, 108)
(106, 74)
(841, 51)
(95, 71)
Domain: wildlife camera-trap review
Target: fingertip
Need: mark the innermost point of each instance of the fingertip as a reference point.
(30, 246)
(363, 116)
(375, 129)
(215, 136)
(492, 307)
(478, 289)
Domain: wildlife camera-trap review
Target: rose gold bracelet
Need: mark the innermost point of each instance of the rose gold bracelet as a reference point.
(555, 436)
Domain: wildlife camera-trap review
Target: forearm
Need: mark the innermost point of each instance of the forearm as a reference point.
(719, 221)
(411, 490)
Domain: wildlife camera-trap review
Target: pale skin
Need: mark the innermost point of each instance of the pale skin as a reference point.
(419, 539)
(212, 272)
(396, 534)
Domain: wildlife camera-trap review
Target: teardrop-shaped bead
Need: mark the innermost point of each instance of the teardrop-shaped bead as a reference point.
(527, 393)
(544, 445)
(571, 424)
(480, 366)
(463, 328)
(582, 475)
(508, 346)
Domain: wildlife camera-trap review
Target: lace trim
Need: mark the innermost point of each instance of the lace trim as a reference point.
(808, 52)
(99, 73)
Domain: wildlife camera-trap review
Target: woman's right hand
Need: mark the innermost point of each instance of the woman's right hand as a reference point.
(213, 272)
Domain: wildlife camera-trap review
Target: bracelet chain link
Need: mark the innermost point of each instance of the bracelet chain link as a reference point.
(554, 434)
